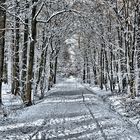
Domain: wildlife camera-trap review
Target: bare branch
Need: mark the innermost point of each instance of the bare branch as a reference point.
(58, 13)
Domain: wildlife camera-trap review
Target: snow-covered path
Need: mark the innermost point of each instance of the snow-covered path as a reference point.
(70, 112)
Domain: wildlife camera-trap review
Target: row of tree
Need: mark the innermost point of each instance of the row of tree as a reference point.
(109, 40)
(34, 48)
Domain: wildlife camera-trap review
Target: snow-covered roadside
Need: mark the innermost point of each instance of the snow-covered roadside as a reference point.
(126, 107)
(10, 102)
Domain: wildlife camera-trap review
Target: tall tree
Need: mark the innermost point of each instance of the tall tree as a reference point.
(24, 54)
(15, 84)
(31, 54)
(2, 43)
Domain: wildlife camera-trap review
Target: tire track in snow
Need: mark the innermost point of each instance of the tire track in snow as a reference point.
(92, 115)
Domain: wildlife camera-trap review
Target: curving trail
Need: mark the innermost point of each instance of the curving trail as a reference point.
(81, 114)
(71, 112)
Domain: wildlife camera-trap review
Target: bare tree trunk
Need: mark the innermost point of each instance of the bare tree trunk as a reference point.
(51, 76)
(137, 54)
(24, 54)
(84, 69)
(2, 45)
(133, 64)
(16, 37)
(16, 52)
(42, 64)
(120, 87)
(93, 59)
(111, 69)
(101, 68)
(88, 63)
(106, 69)
(55, 69)
(31, 56)
(13, 50)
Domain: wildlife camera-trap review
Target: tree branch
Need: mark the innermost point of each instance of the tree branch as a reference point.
(58, 13)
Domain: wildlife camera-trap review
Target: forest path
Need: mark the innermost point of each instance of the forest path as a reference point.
(81, 114)
(70, 112)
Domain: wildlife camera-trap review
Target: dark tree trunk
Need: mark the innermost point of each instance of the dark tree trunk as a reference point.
(16, 55)
(24, 54)
(111, 69)
(42, 62)
(101, 69)
(2, 45)
(31, 57)
(84, 70)
(55, 69)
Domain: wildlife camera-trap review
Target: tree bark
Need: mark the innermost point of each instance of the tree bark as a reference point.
(101, 68)
(24, 55)
(31, 56)
(16, 52)
(2, 44)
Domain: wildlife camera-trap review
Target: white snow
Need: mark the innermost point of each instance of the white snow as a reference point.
(38, 122)
(63, 114)
(8, 99)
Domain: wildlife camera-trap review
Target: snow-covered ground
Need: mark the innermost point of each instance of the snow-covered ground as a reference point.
(9, 99)
(122, 104)
(10, 102)
(72, 112)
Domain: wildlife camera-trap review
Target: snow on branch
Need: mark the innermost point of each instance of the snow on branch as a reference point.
(58, 13)
(38, 11)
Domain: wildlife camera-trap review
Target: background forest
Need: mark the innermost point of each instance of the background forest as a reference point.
(97, 41)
